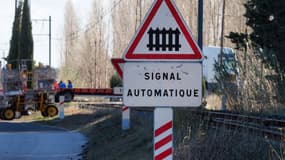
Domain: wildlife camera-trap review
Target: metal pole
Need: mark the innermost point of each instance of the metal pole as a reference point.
(222, 32)
(50, 41)
(224, 98)
(200, 24)
(125, 118)
(163, 134)
(16, 6)
(61, 108)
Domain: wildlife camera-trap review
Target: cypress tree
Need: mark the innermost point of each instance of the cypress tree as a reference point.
(266, 18)
(26, 39)
(15, 40)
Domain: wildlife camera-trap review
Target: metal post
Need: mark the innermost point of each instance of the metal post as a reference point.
(125, 118)
(200, 24)
(50, 41)
(224, 99)
(61, 107)
(16, 5)
(163, 134)
(222, 33)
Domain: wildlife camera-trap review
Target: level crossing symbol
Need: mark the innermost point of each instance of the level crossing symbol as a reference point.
(158, 39)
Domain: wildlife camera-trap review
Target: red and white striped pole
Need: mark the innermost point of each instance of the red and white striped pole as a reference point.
(125, 118)
(61, 107)
(163, 134)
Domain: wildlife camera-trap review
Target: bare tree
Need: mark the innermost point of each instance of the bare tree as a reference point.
(71, 28)
(94, 51)
(127, 17)
(86, 60)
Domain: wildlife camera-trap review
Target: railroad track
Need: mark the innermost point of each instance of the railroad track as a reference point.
(271, 128)
(267, 127)
(269, 133)
(116, 105)
(95, 105)
(262, 120)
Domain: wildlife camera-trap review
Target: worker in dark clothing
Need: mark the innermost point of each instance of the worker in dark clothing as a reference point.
(69, 84)
(61, 85)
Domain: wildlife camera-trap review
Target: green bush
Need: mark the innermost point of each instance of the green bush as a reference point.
(115, 81)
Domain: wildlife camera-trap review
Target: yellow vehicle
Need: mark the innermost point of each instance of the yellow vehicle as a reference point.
(17, 100)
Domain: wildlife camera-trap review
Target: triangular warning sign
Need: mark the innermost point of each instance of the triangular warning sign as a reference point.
(163, 36)
(119, 65)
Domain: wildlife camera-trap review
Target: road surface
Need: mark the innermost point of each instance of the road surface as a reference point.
(28, 141)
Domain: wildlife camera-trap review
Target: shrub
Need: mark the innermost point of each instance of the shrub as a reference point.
(115, 81)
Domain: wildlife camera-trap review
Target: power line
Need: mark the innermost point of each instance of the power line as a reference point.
(76, 34)
(49, 34)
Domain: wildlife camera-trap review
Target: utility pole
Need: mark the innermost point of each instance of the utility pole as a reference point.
(224, 98)
(50, 41)
(200, 23)
(222, 32)
(16, 5)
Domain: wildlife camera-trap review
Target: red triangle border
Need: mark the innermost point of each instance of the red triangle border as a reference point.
(171, 56)
(116, 63)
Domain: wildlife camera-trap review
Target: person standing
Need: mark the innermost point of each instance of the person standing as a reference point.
(69, 85)
(55, 85)
(61, 85)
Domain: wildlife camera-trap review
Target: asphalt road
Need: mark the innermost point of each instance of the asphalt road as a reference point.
(28, 141)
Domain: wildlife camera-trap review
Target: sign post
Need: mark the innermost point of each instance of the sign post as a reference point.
(61, 107)
(126, 122)
(126, 118)
(163, 69)
(163, 134)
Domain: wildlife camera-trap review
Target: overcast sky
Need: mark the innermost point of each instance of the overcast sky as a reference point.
(41, 9)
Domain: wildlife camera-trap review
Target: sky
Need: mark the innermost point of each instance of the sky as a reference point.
(42, 9)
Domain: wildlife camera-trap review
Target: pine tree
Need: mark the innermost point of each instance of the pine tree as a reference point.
(26, 40)
(14, 42)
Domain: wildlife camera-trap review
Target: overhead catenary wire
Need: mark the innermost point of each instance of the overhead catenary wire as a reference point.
(76, 34)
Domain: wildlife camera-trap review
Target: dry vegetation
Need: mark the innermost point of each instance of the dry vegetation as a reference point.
(197, 140)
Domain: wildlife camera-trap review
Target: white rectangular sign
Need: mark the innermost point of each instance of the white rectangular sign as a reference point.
(162, 84)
